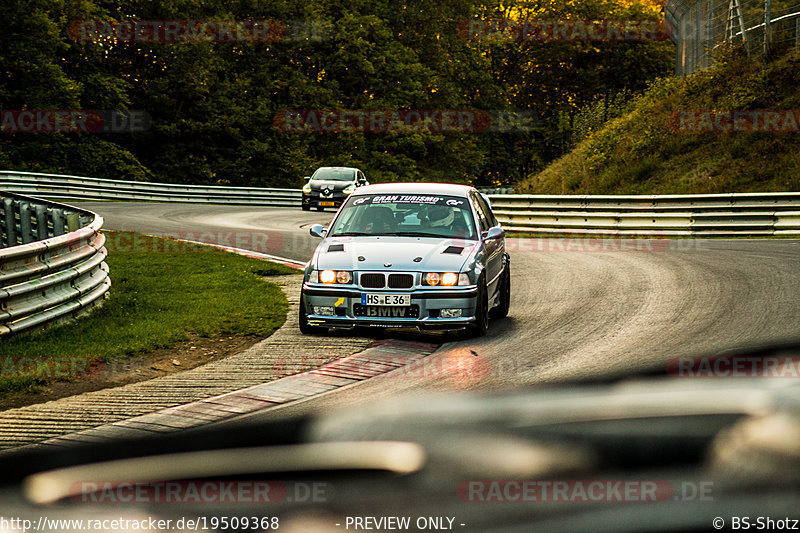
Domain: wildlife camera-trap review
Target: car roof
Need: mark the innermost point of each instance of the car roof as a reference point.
(338, 168)
(451, 189)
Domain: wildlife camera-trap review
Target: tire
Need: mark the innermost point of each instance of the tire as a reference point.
(305, 327)
(481, 325)
(306, 207)
(501, 309)
(320, 208)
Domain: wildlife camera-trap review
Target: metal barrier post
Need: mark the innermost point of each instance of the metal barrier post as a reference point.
(25, 222)
(41, 223)
(58, 221)
(10, 222)
(73, 221)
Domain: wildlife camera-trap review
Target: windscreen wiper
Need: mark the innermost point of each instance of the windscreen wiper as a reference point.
(415, 234)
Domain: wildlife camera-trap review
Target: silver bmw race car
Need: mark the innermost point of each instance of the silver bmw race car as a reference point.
(424, 255)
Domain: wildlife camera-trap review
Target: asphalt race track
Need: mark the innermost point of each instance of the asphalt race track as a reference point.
(581, 308)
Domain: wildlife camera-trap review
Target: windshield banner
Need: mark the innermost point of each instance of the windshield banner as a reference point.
(409, 199)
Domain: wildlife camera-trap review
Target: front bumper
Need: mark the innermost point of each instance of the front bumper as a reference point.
(428, 304)
(313, 199)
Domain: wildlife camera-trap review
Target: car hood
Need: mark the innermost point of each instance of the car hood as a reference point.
(330, 184)
(399, 252)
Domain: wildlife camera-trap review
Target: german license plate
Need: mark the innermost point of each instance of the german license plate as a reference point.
(326, 204)
(398, 300)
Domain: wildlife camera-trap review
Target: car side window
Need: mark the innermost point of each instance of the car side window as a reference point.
(484, 222)
(487, 212)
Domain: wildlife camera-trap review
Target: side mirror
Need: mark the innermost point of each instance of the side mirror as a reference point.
(493, 233)
(317, 230)
(307, 178)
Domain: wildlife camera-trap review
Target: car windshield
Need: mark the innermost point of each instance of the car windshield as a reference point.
(405, 215)
(334, 174)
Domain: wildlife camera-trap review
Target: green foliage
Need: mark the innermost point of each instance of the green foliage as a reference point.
(639, 152)
(77, 154)
(212, 104)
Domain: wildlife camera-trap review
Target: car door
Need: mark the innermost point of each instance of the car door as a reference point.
(484, 224)
(494, 247)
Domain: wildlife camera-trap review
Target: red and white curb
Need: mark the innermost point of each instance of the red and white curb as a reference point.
(285, 261)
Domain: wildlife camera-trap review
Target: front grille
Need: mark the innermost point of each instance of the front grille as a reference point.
(401, 281)
(338, 195)
(373, 281)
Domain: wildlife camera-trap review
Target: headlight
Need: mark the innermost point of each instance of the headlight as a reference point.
(307, 188)
(331, 276)
(449, 279)
(350, 189)
(445, 279)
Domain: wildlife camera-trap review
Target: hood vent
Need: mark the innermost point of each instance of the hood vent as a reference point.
(336, 248)
(453, 250)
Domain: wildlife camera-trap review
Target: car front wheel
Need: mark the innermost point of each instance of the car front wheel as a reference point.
(501, 310)
(481, 325)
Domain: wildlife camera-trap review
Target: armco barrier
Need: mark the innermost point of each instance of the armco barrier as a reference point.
(81, 188)
(700, 215)
(733, 214)
(51, 262)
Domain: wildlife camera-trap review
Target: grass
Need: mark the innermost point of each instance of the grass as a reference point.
(161, 294)
(638, 153)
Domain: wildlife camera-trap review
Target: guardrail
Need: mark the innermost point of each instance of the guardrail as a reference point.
(81, 188)
(735, 214)
(496, 190)
(699, 215)
(52, 263)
